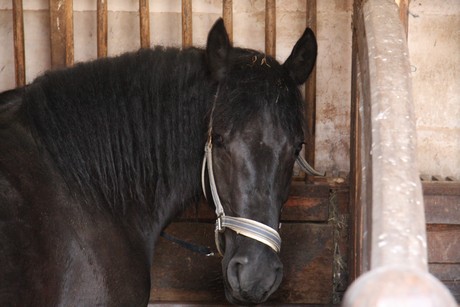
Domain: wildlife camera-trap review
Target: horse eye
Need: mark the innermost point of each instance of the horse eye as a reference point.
(218, 140)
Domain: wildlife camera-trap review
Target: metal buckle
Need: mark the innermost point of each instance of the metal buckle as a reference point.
(219, 227)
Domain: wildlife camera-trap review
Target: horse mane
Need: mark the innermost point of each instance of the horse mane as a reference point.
(127, 129)
(131, 129)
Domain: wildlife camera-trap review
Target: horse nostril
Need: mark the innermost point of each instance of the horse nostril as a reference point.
(233, 270)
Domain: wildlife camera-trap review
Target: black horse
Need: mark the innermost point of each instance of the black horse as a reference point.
(97, 159)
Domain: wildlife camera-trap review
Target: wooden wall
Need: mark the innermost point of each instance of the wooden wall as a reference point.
(442, 210)
(314, 250)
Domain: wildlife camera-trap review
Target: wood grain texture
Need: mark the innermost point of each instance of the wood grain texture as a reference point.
(102, 26)
(270, 27)
(181, 276)
(61, 28)
(144, 20)
(187, 31)
(442, 201)
(445, 271)
(310, 93)
(443, 243)
(361, 159)
(306, 203)
(18, 36)
(227, 15)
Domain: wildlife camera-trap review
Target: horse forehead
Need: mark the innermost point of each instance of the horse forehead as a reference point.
(264, 130)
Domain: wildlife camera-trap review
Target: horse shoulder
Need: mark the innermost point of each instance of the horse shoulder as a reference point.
(54, 250)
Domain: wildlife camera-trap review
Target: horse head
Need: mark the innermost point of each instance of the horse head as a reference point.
(255, 134)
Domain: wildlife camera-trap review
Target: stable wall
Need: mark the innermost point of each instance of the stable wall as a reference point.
(434, 43)
(434, 47)
(333, 67)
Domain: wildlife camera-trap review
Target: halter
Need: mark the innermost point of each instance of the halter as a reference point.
(243, 226)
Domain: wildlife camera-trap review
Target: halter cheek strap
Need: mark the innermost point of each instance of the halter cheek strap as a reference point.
(243, 226)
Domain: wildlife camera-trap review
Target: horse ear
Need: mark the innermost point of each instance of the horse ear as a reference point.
(217, 50)
(303, 56)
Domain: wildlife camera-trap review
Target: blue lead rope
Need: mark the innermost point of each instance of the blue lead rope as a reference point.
(199, 249)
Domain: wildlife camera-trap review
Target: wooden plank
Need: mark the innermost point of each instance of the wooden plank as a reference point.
(187, 37)
(102, 33)
(144, 20)
(404, 14)
(18, 34)
(343, 199)
(449, 274)
(61, 28)
(454, 288)
(69, 47)
(307, 256)
(354, 258)
(310, 94)
(181, 276)
(306, 203)
(339, 218)
(446, 271)
(270, 27)
(361, 166)
(443, 243)
(227, 14)
(442, 209)
(442, 202)
(441, 188)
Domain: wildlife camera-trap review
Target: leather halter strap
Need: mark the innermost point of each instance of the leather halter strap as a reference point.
(243, 226)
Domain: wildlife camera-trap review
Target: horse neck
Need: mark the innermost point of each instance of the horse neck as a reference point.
(180, 149)
(136, 130)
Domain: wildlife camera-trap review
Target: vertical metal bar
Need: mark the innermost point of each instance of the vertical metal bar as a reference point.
(18, 33)
(144, 19)
(270, 27)
(310, 93)
(61, 28)
(101, 28)
(227, 14)
(187, 38)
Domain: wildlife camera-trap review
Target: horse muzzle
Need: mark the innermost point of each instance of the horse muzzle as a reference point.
(252, 271)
